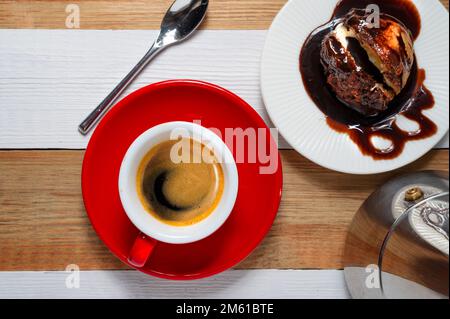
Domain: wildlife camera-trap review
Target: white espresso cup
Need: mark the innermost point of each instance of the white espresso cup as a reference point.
(152, 229)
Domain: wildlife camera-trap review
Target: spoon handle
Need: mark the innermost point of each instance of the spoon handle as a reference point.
(104, 106)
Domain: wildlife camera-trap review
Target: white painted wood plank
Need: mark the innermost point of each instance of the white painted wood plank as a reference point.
(51, 79)
(234, 284)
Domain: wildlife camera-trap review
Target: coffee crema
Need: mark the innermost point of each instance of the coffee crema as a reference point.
(180, 193)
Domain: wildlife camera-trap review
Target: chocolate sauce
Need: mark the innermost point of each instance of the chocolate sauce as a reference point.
(403, 10)
(412, 100)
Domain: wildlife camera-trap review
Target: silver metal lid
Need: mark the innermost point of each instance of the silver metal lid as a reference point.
(402, 233)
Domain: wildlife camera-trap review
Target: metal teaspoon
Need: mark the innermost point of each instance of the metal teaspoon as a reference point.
(180, 21)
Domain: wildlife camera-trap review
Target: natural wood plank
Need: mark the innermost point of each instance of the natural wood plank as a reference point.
(137, 14)
(43, 225)
(316, 210)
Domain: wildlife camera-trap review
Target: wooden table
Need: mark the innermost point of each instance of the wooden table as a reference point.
(43, 224)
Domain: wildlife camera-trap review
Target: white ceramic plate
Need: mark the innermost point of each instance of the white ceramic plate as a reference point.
(301, 122)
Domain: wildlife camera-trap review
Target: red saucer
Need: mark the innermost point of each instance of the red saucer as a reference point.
(258, 197)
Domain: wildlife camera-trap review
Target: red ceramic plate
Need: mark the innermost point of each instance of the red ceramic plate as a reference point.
(258, 197)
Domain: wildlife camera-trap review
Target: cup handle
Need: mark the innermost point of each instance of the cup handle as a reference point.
(142, 249)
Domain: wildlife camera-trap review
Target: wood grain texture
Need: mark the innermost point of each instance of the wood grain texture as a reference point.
(43, 225)
(234, 284)
(74, 70)
(136, 14)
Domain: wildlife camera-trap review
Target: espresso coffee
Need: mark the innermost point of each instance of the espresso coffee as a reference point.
(180, 182)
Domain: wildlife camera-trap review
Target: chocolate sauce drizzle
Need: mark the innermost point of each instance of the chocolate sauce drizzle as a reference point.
(410, 103)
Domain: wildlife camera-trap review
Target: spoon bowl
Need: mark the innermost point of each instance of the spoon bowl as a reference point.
(181, 20)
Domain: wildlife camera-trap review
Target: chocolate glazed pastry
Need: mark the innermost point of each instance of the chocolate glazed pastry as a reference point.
(363, 76)
(367, 67)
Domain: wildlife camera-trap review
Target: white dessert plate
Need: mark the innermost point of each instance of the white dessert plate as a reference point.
(302, 123)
